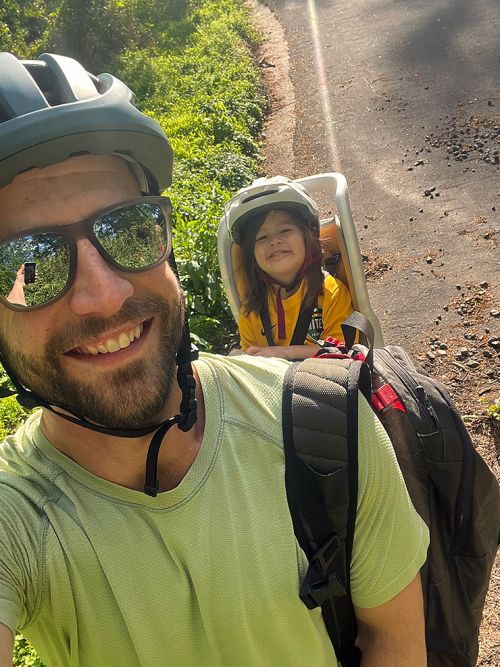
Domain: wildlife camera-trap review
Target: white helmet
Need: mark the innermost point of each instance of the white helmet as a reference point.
(266, 194)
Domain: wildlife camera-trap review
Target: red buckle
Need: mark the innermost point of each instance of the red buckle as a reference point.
(385, 397)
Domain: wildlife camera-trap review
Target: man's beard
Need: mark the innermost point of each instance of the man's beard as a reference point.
(126, 398)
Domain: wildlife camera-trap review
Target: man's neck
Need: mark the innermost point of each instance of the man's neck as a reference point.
(123, 460)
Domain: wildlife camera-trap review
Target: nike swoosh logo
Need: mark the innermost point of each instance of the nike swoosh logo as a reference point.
(263, 333)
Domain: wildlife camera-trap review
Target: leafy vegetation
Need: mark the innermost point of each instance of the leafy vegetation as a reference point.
(494, 410)
(25, 655)
(11, 413)
(189, 63)
(190, 67)
(207, 99)
(25, 24)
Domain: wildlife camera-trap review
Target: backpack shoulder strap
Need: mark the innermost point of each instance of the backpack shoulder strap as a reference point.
(320, 434)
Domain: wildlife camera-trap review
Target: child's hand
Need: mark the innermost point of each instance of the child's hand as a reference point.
(271, 351)
(289, 352)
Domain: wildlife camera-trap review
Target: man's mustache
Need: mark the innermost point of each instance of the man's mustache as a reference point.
(72, 334)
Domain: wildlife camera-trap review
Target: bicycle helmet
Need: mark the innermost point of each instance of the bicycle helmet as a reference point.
(52, 109)
(266, 194)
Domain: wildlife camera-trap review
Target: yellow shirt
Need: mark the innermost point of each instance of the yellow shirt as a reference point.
(334, 306)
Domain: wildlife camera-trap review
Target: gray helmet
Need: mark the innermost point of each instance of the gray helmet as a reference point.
(52, 109)
(266, 194)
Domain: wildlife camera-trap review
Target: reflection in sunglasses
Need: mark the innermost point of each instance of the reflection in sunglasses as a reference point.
(132, 237)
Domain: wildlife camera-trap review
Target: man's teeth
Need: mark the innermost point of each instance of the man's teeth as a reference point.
(114, 344)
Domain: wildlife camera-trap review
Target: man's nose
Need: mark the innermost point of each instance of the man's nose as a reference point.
(98, 289)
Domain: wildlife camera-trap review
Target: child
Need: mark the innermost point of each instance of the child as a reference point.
(276, 223)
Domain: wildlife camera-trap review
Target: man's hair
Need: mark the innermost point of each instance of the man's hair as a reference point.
(256, 297)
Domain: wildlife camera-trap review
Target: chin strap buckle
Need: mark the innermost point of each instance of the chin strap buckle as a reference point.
(152, 491)
(187, 384)
(184, 420)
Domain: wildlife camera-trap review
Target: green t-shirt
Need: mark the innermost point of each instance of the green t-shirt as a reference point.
(97, 575)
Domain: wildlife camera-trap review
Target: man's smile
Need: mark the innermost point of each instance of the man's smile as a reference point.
(110, 344)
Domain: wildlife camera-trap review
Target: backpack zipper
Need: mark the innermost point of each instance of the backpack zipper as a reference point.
(417, 391)
(464, 500)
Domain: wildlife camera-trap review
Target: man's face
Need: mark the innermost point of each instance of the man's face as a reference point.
(107, 348)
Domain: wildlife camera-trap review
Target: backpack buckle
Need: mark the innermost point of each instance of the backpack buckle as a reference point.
(321, 581)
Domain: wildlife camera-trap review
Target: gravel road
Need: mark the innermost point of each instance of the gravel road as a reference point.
(404, 99)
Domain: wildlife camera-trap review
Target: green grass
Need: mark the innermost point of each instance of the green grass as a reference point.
(25, 655)
(11, 415)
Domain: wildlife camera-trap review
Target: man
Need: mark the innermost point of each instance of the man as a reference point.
(204, 567)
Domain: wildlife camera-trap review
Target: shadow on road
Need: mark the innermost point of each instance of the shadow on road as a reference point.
(454, 41)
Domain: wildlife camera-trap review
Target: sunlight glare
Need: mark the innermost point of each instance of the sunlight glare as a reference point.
(323, 87)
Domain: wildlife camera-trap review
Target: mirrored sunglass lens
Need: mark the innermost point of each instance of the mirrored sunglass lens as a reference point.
(135, 236)
(34, 268)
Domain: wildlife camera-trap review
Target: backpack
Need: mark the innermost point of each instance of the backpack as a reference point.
(451, 487)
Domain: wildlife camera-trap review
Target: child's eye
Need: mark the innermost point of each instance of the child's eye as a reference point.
(260, 238)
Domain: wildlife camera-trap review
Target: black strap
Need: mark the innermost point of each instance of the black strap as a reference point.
(359, 380)
(152, 483)
(358, 322)
(301, 326)
(266, 325)
(330, 262)
(327, 582)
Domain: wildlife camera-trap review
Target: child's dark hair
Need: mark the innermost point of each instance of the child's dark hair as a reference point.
(256, 297)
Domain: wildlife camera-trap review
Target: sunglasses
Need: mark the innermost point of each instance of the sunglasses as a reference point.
(37, 267)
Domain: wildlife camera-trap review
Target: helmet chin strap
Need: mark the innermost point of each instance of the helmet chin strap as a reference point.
(187, 416)
(185, 419)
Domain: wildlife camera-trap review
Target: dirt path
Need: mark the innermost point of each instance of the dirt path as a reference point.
(405, 101)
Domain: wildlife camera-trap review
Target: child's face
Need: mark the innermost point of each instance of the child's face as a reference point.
(280, 248)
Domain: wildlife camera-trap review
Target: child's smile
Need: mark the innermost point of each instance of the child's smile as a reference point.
(280, 247)
(277, 254)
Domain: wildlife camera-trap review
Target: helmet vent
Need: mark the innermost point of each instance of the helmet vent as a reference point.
(77, 153)
(259, 194)
(47, 82)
